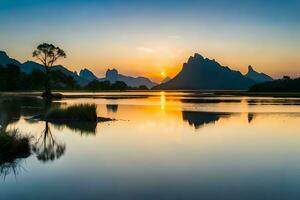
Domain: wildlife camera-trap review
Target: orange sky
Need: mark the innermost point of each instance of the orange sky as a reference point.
(144, 38)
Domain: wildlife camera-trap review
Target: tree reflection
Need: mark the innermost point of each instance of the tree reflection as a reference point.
(46, 147)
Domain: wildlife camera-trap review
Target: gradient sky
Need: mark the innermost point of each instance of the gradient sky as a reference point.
(148, 37)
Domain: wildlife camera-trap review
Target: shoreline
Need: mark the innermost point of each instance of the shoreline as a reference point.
(149, 93)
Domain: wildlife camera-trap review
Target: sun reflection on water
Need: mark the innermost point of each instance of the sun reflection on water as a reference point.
(162, 100)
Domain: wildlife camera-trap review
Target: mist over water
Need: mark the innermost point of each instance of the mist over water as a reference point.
(163, 145)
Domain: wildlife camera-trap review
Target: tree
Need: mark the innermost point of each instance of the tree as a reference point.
(48, 54)
(119, 85)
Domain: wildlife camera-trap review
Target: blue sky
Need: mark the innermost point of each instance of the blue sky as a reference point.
(148, 37)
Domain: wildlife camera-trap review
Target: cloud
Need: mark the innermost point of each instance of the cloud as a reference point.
(145, 49)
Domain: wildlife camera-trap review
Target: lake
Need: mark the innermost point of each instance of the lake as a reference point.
(163, 145)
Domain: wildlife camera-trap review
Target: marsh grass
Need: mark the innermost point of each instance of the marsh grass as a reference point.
(13, 148)
(13, 145)
(80, 112)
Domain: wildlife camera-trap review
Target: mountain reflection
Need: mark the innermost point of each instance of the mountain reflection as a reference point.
(112, 108)
(198, 119)
(250, 117)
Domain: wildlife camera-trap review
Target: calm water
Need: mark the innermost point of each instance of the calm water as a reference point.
(162, 146)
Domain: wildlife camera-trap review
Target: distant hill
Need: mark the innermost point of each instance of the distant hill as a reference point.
(256, 76)
(282, 85)
(5, 59)
(29, 66)
(201, 73)
(88, 75)
(113, 75)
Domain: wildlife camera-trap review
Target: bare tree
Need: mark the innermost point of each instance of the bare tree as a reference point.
(48, 54)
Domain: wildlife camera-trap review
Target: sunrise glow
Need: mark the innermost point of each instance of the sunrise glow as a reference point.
(139, 37)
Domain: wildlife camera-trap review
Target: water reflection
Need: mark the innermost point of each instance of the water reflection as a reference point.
(247, 149)
(162, 100)
(84, 128)
(112, 108)
(199, 119)
(250, 117)
(14, 148)
(46, 147)
(14, 167)
(10, 112)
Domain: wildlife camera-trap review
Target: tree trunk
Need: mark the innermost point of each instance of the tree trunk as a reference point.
(47, 92)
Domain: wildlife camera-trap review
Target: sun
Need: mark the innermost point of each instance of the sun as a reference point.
(163, 74)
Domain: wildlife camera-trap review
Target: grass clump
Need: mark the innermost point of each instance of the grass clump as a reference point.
(80, 112)
(13, 146)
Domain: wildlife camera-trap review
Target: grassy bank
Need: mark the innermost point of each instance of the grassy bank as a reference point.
(151, 93)
(81, 112)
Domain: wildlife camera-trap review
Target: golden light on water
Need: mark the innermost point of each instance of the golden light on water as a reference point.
(162, 100)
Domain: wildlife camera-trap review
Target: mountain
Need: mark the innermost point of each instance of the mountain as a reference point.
(201, 73)
(166, 79)
(256, 76)
(81, 81)
(28, 66)
(87, 74)
(5, 59)
(113, 76)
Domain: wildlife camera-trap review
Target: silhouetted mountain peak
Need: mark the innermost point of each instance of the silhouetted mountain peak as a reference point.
(112, 75)
(87, 74)
(196, 58)
(256, 76)
(3, 54)
(250, 69)
(203, 73)
(5, 59)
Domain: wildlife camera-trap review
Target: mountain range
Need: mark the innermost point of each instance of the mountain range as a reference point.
(200, 73)
(113, 75)
(85, 76)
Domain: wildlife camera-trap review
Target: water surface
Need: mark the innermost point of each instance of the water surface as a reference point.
(162, 146)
